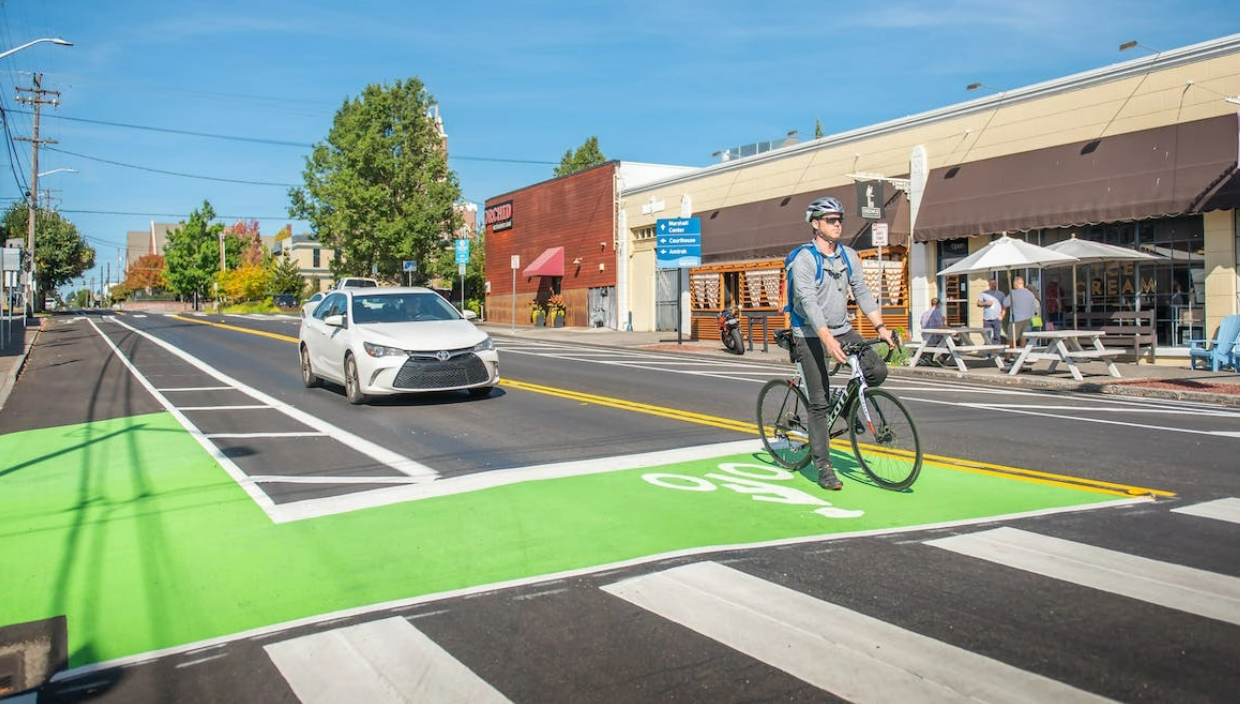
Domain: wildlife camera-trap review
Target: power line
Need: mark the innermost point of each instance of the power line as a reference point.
(177, 215)
(274, 142)
(172, 173)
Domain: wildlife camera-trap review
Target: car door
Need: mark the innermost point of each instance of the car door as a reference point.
(324, 344)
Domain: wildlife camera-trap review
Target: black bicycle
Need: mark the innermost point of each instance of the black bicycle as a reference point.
(875, 420)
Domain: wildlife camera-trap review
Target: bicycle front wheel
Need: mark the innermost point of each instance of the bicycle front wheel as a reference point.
(783, 423)
(892, 456)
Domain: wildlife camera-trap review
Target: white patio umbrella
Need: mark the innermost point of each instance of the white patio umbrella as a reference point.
(1088, 252)
(1007, 253)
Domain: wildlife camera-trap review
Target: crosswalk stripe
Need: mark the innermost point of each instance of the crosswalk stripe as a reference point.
(853, 656)
(1219, 509)
(1178, 587)
(377, 662)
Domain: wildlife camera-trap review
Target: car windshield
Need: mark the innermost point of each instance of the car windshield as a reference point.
(401, 308)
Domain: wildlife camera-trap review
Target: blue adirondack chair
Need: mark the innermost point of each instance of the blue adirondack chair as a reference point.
(1224, 349)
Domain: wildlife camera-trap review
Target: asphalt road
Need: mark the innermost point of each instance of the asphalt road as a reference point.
(635, 628)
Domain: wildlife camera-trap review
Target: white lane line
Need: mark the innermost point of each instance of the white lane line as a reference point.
(382, 455)
(1219, 509)
(319, 479)
(273, 630)
(853, 656)
(197, 388)
(225, 408)
(1085, 418)
(294, 434)
(1177, 587)
(255, 493)
(477, 481)
(383, 662)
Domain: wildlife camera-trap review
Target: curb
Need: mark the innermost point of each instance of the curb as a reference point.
(9, 380)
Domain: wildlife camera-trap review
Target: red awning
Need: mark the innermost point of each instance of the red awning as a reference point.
(549, 263)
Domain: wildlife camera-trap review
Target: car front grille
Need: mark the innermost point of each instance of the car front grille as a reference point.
(427, 372)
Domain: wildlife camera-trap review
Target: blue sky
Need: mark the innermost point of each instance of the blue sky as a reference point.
(518, 83)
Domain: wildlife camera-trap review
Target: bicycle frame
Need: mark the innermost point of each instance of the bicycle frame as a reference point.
(854, 388)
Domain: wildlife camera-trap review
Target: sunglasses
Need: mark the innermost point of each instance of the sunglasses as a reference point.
(832, 220)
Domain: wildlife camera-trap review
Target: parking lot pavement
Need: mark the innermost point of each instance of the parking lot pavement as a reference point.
(1169, 379)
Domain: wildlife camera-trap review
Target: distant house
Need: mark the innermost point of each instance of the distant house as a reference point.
(311, 258)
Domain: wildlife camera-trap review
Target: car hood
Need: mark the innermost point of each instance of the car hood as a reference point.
(424, 336)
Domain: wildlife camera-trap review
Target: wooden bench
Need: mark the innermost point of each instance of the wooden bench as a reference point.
(1125, 329)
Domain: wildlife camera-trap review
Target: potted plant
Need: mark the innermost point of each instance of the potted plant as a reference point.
(538, 315)
(555, 309)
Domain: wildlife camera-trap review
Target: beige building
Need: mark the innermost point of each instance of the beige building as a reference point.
(1141, 154)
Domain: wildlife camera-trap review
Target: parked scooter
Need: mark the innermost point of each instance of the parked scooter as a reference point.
(730, 330)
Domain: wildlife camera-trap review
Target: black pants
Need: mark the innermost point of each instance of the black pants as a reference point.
(814, 360)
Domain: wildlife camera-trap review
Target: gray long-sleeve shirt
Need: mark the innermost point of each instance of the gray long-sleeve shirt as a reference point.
(825, 303)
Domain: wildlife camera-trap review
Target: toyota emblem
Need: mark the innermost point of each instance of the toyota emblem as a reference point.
(443, 355)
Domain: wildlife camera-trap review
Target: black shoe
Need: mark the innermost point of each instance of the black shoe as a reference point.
(827, 479)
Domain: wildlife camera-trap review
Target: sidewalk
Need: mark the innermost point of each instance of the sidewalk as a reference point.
(1172, 379)
(13, 351)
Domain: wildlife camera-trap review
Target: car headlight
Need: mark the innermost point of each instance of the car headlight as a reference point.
(382, 350)
(485, 345)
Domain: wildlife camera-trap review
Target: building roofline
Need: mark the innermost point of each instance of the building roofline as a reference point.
(1087, 79)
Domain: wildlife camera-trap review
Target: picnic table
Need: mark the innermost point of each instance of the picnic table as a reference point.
(958, 343)
(1072, 347)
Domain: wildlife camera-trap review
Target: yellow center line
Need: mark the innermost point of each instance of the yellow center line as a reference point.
(954, 463)
(1017, 473)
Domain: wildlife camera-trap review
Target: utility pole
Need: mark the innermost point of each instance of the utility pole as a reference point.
(38, 100)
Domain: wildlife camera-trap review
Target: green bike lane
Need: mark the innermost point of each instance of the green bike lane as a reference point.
(134, 533)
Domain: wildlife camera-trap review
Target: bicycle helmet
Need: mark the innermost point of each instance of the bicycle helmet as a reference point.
(823, 206)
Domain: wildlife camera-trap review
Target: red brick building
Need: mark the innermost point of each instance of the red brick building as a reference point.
(562, 233)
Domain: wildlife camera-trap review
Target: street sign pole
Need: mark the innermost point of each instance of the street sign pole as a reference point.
(678, 245)
(516, 264)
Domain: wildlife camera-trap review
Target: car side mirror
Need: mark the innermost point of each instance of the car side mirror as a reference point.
(469, 315)
(334, 321)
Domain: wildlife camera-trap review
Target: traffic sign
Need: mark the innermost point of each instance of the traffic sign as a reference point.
(878, 234)
(410, 265)
(462, 251)
(678, 243)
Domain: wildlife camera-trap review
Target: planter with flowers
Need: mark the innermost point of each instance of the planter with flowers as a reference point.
(538, 315)
(555, 310)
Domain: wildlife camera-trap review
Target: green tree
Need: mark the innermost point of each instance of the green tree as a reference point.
(286, 276)
(192, 254)
(817, 128)
(60, 252)
(378, 190)
(587, 155)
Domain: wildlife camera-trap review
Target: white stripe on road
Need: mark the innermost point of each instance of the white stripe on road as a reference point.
(1178, 587)
(378, 662)
(853, 656)
(1219, 509)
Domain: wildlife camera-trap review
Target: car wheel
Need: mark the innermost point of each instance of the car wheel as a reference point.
(480, 391)
(308, 377)
(352, 384)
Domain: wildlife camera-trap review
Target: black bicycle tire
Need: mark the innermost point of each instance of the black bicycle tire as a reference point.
(778, 391)
(897, 474)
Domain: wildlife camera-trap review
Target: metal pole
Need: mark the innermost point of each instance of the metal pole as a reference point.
(514, 300)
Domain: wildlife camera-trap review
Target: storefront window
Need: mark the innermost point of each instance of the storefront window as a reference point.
(1172, 285)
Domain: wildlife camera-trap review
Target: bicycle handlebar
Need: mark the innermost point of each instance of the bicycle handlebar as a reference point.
(855, 348)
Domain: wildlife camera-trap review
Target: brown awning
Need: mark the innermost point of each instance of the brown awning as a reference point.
(549, 263)
(769, 229)
(1182, 168)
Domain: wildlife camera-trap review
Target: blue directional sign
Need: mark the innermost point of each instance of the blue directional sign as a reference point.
(462, 251)
(678, 243)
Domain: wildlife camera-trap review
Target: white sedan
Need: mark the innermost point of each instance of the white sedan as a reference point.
(311, 303)
(380, 341)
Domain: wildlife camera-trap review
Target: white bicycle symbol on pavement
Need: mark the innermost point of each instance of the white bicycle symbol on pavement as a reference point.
(752, 479)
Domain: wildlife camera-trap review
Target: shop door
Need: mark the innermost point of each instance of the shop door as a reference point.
(602, 306)
(665, 298)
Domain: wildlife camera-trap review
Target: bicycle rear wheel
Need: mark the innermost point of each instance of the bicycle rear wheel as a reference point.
(783, 423)
(892, 456)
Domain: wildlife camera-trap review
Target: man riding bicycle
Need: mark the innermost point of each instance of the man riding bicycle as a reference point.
(820, 276)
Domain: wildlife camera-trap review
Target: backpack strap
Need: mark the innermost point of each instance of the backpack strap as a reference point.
(796, 320)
